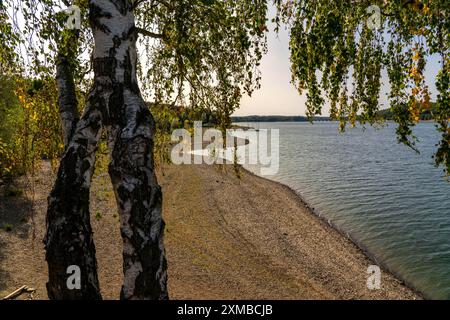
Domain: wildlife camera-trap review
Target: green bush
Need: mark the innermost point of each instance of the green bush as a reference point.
(29, 125)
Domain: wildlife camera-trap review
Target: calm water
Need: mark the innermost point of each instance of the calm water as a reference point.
(392, 200)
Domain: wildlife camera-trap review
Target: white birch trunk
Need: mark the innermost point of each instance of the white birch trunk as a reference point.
(116, 103)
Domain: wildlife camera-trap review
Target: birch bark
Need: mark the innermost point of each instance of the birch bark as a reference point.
(115, 103)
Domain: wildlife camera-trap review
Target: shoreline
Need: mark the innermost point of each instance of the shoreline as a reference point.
(371, 256)
(226, 239)
(321, 257)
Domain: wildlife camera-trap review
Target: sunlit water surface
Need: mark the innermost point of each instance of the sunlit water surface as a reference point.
(393, 201)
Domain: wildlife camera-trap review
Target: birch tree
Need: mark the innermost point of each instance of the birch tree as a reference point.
(189, 49)
(203, 54)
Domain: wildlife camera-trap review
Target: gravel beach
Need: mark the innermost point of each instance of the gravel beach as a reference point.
(226, 238)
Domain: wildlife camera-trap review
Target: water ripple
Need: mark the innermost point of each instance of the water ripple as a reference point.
(394, 201)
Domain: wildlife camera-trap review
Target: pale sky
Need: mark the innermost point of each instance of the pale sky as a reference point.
(278, 96)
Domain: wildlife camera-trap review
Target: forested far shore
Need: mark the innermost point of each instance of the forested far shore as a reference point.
(385, 114)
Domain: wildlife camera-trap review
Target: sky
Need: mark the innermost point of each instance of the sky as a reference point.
(278, 96)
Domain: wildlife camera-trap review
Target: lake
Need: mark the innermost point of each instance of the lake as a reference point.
(390, 199)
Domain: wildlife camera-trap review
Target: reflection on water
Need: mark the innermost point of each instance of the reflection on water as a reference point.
(394, 201)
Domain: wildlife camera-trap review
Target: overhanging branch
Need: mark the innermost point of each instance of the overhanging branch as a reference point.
(149, 33)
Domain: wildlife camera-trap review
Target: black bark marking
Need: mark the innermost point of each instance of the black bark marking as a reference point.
(130, 159)
(68, 239)
(67, 100)
(105, 67)
(95, 14)
(118, 104)
(123, 6)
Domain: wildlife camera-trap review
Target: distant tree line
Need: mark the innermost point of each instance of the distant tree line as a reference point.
(278, 119)
(426, 115)
(386, 114)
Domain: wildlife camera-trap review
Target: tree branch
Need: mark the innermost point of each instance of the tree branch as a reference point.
(137, 3)
(149, 33)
